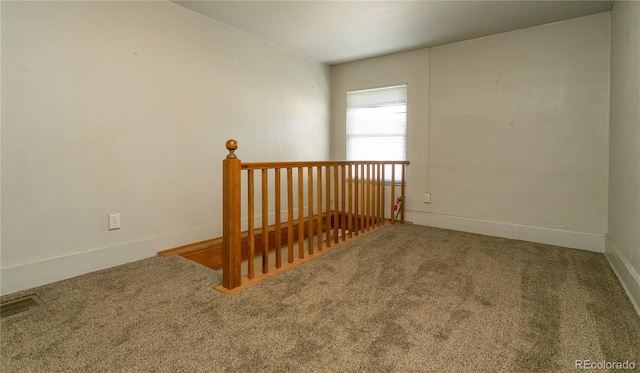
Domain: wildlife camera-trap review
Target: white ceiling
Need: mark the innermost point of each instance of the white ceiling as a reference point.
(336, 32)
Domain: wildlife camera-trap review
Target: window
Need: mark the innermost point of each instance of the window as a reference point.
(377, 125)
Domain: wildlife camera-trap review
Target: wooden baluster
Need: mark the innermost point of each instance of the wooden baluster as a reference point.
(402, 169)
(336, 223)
(310, 208)
(251, 222)
(356, 217)
(393, 193)
(265, 221)
(343, 210)
(290, 215)
(365, 190)
(384, 186)
(369, 196)
(373, 195)
(379, 195)
(328, 205)
(300, 214)
(232, 252)
(278, 233)
(362, 198)
(319, 198)
(349, 201)
(374, 215)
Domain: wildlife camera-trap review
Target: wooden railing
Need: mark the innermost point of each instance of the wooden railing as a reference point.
(344, 199)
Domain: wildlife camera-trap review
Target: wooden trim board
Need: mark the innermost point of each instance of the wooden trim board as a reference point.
(209, 252)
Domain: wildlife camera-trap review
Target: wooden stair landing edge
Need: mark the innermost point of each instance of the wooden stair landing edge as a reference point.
(273, 271)
(209, 252)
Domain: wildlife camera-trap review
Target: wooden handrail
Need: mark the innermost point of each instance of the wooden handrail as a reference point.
(272, 165)
(354, 203)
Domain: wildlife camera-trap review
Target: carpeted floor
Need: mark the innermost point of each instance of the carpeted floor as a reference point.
(402, 299)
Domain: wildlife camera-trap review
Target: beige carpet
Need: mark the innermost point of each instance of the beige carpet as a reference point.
(403, 299)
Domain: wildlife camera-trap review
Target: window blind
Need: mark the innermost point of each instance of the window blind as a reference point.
(377, 124)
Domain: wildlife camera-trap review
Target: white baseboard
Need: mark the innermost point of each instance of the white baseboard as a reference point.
(22, 276)
(627, 275)
(550, 236)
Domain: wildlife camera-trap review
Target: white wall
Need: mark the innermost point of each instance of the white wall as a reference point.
(623, 239)
(509, 132)
(125, 107)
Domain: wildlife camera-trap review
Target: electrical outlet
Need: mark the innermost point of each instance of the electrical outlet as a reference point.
(114, 221)
(427, 198)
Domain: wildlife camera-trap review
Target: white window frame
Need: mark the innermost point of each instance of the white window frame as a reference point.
(388, 103)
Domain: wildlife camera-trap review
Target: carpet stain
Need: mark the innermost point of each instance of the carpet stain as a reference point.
(454, 322)
(618, 339)
(542, 276)
(485, 302)
(391, 338)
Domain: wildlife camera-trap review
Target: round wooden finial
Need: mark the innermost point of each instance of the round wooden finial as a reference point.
(232, 145)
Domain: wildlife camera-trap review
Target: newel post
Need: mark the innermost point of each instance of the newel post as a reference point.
(231, 255)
